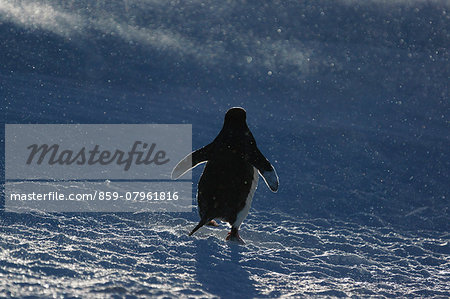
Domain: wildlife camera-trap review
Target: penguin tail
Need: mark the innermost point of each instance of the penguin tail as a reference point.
(200, 224)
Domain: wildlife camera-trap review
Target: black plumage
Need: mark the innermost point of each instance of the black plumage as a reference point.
(227, 184)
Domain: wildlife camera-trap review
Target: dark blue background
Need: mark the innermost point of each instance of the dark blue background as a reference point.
(354, 112)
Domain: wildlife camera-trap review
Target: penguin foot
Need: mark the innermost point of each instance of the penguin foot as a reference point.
(212, 223)
(233, 235)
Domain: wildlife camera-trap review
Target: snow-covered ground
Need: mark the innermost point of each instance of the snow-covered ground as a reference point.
(348, 99)
(151, 254)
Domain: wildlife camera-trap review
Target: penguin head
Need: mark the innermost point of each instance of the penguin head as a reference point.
(235, 134)
(235, 117)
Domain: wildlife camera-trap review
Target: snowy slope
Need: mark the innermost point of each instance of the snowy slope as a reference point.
(146, 254)
(348, 99)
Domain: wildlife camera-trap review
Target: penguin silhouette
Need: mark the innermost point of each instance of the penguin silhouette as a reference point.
(230, 177)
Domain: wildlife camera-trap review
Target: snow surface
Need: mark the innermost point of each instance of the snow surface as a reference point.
(348, 99)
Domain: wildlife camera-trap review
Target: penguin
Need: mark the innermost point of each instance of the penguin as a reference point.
(230, 177)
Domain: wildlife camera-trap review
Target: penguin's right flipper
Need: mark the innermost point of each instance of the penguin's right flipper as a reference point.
(265, 168)
(190, 161)
(271, 179)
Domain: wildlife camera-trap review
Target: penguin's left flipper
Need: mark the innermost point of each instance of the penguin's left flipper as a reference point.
(190, 161)
(265, 169)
